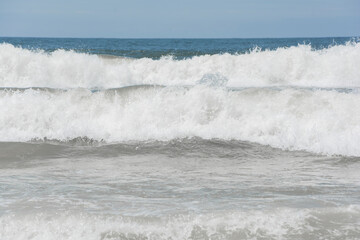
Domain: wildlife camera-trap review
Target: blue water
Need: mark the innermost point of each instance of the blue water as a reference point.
(178, 48)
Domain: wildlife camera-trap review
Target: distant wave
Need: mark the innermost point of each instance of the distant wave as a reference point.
(335, 66)
(320, 121)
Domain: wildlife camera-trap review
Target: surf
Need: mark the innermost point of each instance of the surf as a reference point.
(335, 66)
(315, 120)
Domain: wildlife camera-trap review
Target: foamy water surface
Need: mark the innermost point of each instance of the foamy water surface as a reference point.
(179, 139)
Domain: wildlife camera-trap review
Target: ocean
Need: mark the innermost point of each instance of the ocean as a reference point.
(179, 138)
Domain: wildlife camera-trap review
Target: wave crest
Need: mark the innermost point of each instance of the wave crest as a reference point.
(321, 121)
(335, 66)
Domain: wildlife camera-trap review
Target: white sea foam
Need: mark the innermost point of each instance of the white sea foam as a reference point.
(280, 224)
(297, 119)
(320, 121)
(336, 66)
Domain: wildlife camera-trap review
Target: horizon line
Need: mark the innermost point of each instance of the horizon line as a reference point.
(145, 38)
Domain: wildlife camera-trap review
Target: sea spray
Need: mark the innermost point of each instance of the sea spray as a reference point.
(316, 120)
(335, 66)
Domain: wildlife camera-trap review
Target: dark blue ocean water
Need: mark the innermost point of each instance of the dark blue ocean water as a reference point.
(157, 48)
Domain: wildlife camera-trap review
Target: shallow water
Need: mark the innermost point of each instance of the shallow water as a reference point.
(189, 188)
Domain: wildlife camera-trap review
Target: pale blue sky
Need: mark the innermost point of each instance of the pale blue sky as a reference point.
(180, 18)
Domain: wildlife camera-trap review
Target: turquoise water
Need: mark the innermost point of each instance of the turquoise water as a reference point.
(178, 48)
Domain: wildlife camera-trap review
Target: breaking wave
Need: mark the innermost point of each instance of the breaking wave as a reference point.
(335, 66)
(294, 98)
(317, 120)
